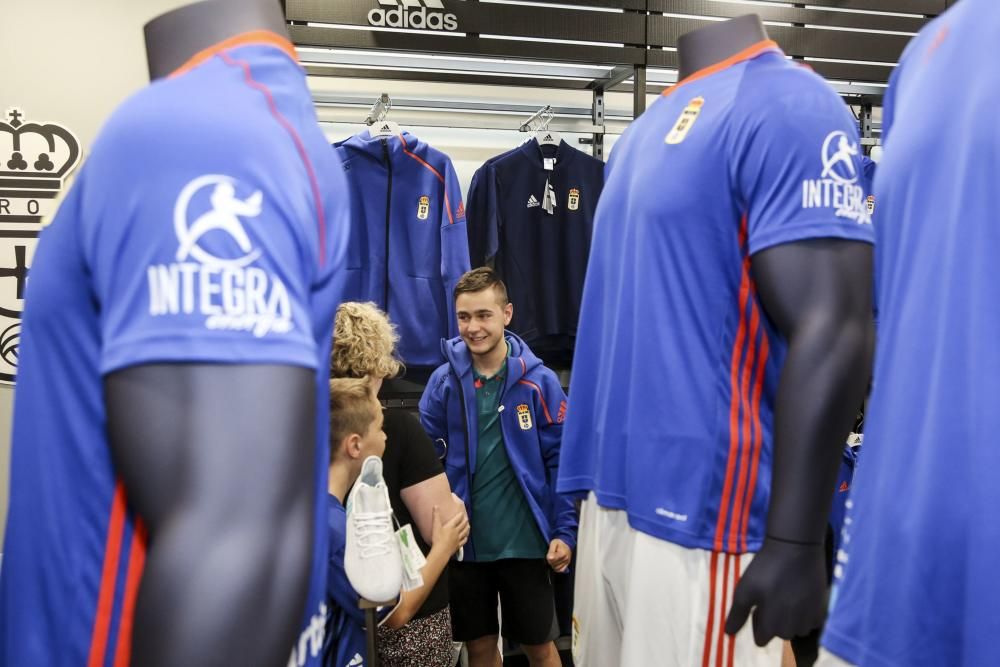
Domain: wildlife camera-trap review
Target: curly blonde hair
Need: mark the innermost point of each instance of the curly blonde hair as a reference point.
(364, 343)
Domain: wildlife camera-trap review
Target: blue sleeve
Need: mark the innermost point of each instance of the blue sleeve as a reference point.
(210, 264)
(493, 215)
(553, 413)
(454, 243)
(797, 162)
(476, 216)
(338, 586)
(433, 414)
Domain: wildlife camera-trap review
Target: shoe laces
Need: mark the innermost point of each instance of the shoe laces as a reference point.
(375, 534)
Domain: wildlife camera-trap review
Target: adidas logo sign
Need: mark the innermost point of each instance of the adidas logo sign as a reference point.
(412, 14)
(548, 137)
(385, 128)
(532, 202)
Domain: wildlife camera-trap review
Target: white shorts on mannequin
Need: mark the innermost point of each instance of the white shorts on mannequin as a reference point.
(827, 659)
(645, 602)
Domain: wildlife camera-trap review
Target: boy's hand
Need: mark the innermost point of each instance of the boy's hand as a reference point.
(559, 555)
(451, 534)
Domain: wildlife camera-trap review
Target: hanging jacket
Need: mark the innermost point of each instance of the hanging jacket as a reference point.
(540, 256)
(408, 239)
(448, 413)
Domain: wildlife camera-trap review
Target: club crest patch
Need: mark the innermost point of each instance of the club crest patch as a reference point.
(574, 200)
(524, 417)
(423, 208)
(685, 121)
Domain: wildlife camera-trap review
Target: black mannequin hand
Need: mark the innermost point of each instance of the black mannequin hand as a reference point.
(785, 585)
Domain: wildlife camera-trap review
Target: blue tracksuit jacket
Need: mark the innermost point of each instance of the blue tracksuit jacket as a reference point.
(408, 237)
(448, 413)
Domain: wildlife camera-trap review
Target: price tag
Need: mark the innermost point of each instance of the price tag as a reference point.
(548, 163)
(413, 558)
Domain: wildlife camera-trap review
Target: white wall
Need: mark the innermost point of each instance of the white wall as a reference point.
(68, 62)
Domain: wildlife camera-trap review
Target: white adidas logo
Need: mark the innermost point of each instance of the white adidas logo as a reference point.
(413, 14)
(532, 202)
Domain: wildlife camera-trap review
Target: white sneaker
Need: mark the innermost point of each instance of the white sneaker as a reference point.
(372, 560)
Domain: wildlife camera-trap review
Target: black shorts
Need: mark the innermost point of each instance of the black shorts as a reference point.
(527, 600)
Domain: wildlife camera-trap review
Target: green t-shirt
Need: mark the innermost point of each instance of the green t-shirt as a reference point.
(502, 523)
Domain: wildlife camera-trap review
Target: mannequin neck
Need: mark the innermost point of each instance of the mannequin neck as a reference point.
(172, 38)
(707, 46)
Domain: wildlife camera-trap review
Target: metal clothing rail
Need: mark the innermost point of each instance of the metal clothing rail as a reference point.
(626, 46)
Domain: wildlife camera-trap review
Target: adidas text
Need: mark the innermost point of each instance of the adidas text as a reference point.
(417, 19)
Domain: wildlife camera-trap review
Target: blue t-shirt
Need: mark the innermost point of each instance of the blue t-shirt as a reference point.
(918, 584)
(676, 362)
(345, 629)
(207, 226)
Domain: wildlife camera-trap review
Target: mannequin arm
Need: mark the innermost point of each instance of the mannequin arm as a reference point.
(818, 294)
(218, 460)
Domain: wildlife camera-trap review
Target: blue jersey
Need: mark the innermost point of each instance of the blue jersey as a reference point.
(918, 584)
(676, 362)
(409, 244)
(868, 167)
(206, 226)
(540, 255)
(845, 479)
(345, 631)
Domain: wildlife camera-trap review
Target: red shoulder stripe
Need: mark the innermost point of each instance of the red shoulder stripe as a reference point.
(313, 183)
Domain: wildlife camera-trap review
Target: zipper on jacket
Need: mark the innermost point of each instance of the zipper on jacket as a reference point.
(388, 212)
(465, 425)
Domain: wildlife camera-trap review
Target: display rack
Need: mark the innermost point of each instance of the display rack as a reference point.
(624, 46)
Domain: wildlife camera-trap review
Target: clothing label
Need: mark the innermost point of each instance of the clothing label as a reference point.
(384, 128)
(410, 584)
(549, 200)
(413, 559)
(549, 163)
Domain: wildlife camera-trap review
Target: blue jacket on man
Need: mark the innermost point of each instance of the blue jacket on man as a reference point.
(533, 407)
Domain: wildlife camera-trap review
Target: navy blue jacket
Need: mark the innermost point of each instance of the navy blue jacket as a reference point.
(532, 407)
(409, 244)
(542, 258)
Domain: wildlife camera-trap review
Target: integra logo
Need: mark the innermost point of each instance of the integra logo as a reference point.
(412, 14)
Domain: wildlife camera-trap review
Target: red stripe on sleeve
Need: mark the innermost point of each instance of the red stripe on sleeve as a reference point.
(136, 565)
(541, 396)
(299, 146)
(744, 463)
(109, 571)
(758, 443)
(734, 402)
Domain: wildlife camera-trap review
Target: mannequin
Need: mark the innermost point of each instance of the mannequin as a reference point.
(174, 37)
(702, 48)
(215, 459)
(818, 295)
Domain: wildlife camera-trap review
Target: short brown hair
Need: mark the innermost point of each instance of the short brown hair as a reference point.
(480, 279)
(364, 343)
(353, 409)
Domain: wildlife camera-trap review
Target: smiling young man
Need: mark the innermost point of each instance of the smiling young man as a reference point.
(500, 412)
